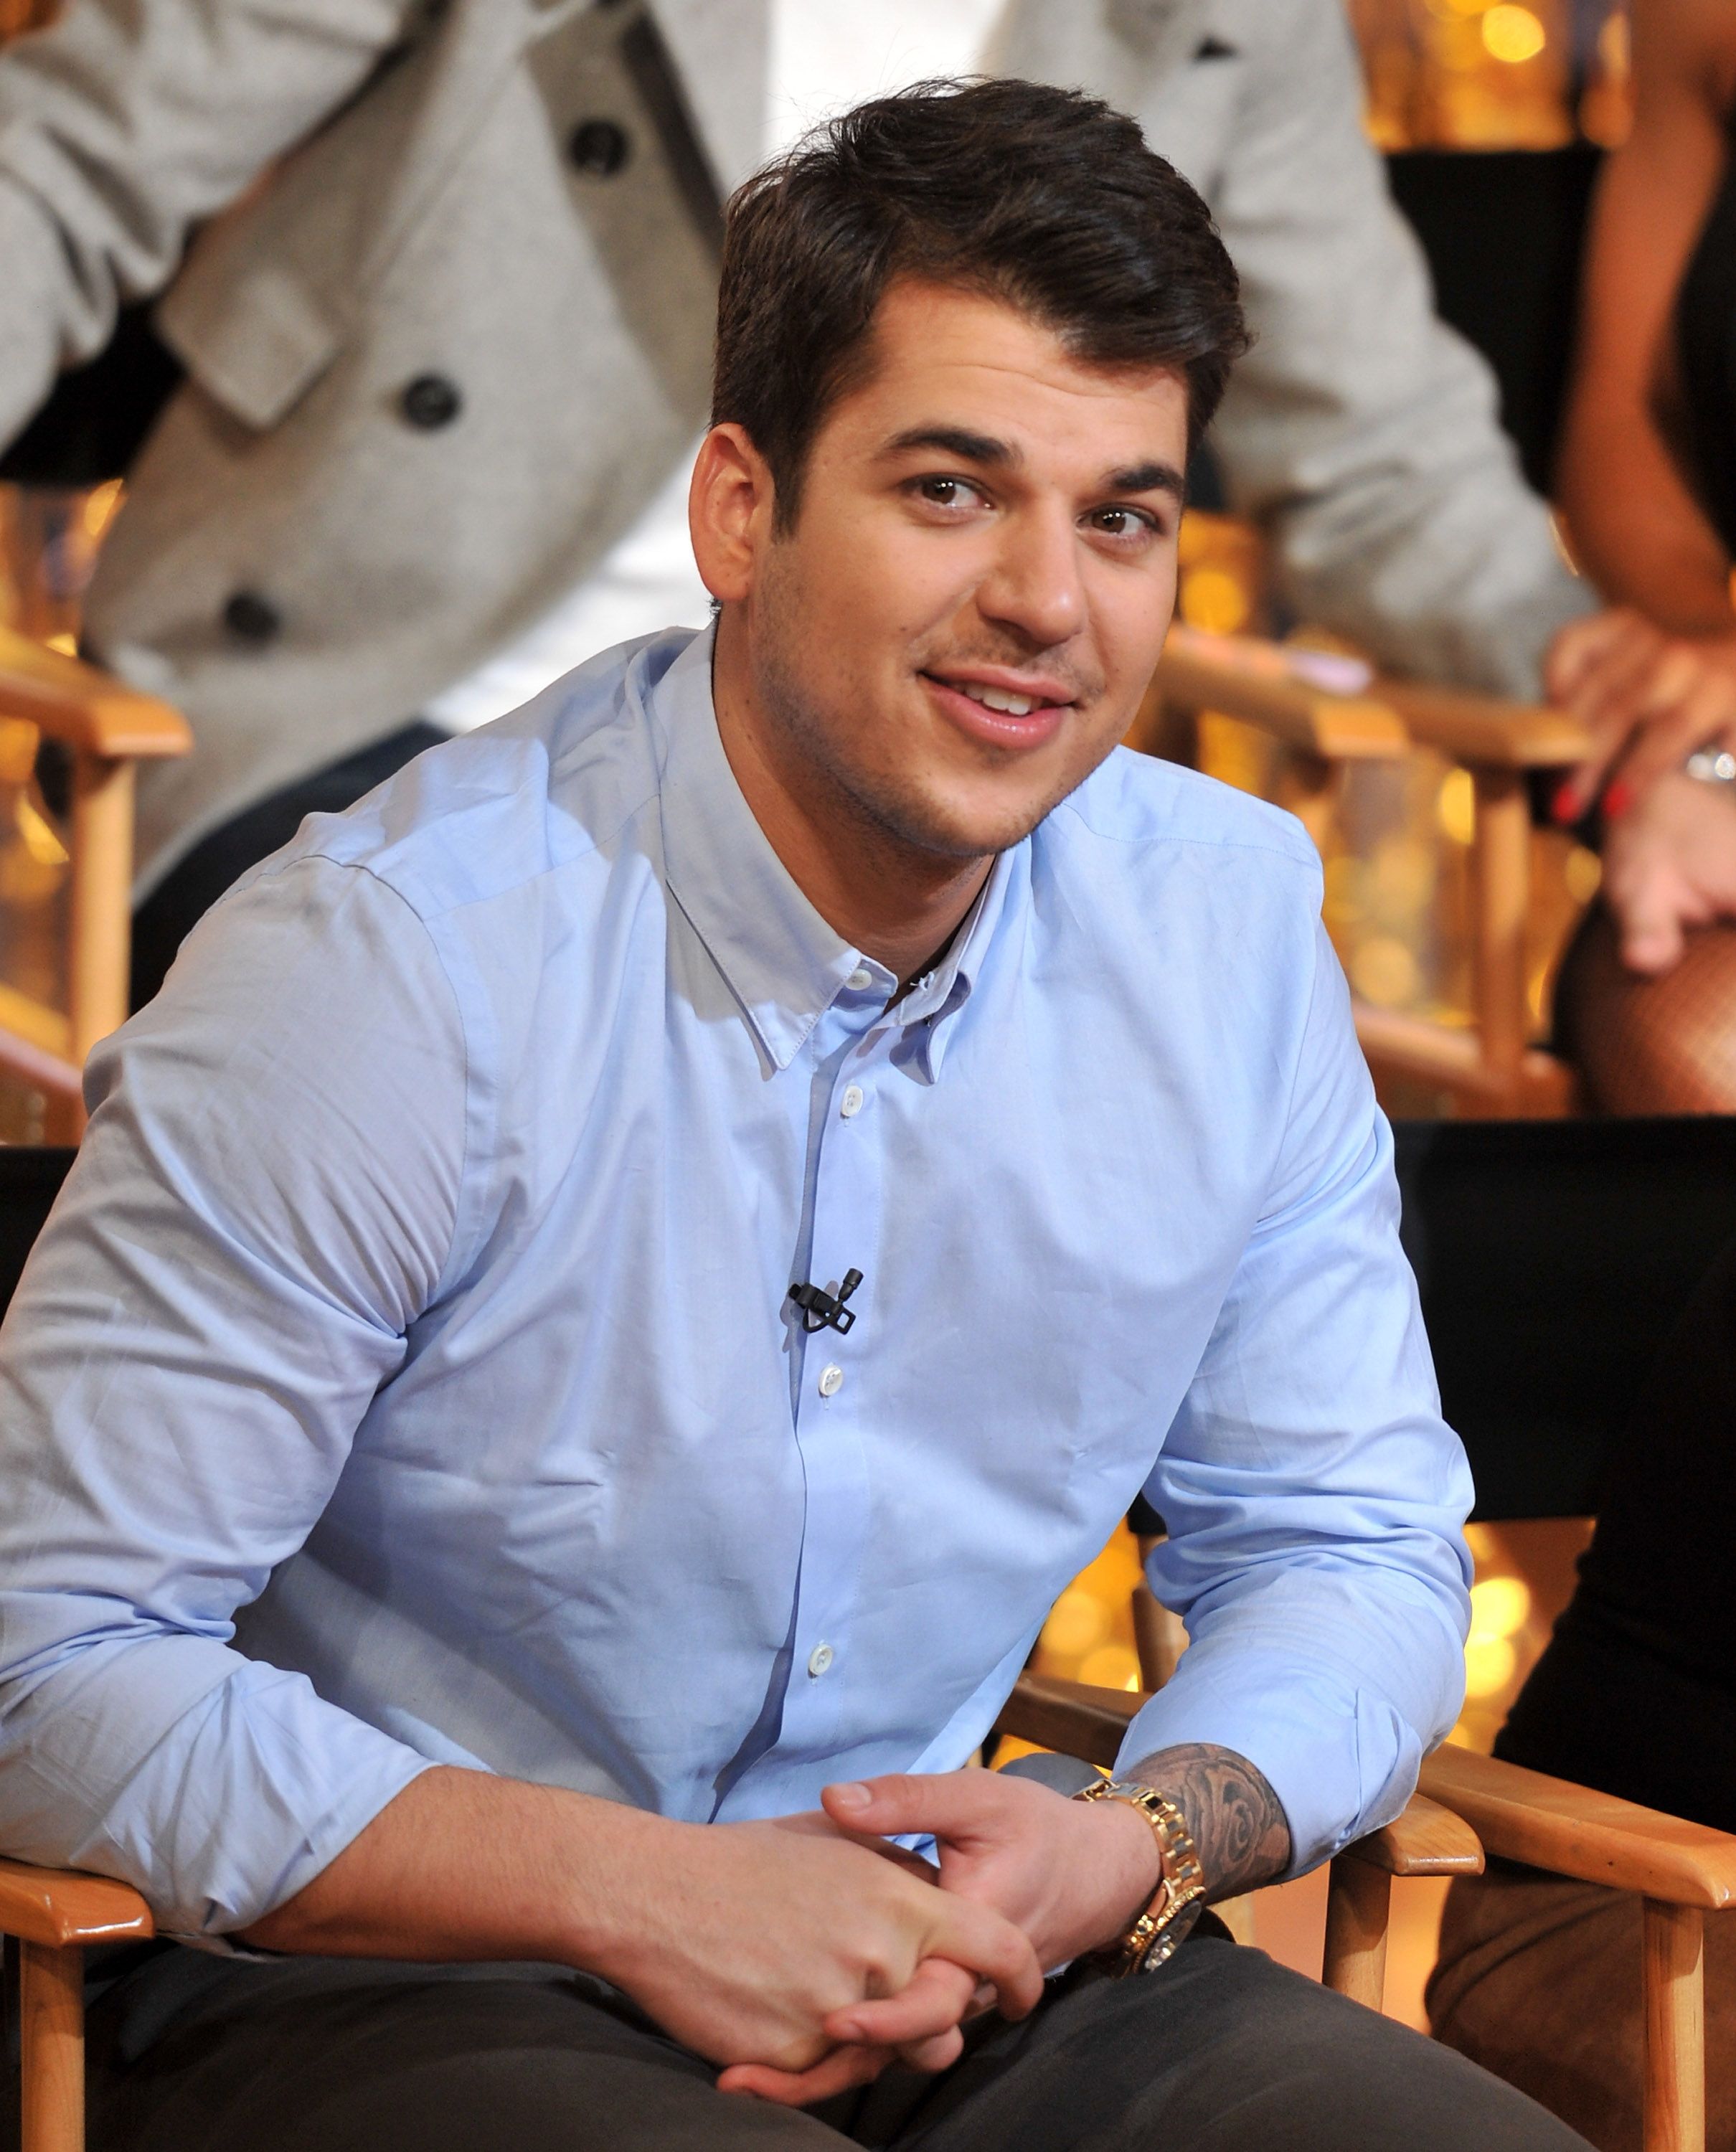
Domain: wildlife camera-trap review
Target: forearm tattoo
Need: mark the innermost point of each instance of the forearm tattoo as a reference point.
(1238, 1827)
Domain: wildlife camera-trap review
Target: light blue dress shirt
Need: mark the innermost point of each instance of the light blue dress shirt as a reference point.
(419, 1293)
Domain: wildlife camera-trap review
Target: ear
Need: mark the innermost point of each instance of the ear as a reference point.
(729, 512)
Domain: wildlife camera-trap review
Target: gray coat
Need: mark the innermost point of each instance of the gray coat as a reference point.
(422, 219)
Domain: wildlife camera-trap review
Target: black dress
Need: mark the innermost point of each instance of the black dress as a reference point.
(1635, 1694)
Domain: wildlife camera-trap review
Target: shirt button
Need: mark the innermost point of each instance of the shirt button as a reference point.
(859, 979)
(850, 1104)
(831, 1379)
(599, 147)
(430, 402)
(818, 1659)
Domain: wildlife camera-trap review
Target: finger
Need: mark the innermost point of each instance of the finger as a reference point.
(956, 1805)
(836, 2073)
(932, 2001)
(1579, 646)
(1651, 922)
(984, 1942)
(939, 2054)
(1631, 677)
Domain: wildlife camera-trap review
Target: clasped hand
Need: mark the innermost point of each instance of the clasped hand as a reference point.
(806, 1954)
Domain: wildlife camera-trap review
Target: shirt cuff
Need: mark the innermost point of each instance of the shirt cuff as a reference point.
(1341, 1760)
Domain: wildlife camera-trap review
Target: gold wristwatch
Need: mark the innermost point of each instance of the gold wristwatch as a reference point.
(1164, 1926)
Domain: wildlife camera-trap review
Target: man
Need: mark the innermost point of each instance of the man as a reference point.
(423, 1291)
(440, 279)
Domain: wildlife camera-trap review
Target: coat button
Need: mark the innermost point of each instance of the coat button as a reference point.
(430, 402)
(599, 147)
(251, 617)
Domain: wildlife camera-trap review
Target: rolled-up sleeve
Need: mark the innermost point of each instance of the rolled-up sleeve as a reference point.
(1314, 1497)
(264, 1202)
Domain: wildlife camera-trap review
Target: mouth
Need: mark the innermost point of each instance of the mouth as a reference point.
(1004, 712)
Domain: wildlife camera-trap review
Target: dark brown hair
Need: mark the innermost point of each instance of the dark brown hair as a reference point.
(1046, 198)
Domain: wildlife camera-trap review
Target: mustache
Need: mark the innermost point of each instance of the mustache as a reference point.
(1082, 688)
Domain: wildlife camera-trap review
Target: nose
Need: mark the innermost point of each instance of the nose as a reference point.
(1034, 583)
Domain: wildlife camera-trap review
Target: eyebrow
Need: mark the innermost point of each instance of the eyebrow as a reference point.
(1151, 477)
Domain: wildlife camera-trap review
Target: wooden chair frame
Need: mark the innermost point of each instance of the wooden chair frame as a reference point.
(1490, 1070)
(105, 728)
(1680, 1871)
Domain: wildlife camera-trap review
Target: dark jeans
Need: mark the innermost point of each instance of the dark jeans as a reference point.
(1220, 2051)
(217, 862)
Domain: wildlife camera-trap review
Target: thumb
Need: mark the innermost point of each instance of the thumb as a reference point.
(950, 1804)
(1651, 939)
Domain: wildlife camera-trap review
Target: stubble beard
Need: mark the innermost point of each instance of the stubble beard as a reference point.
(898, 817)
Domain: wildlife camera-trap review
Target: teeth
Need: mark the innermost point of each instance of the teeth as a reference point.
(998, 698)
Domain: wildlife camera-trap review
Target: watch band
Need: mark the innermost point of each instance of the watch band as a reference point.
(1164, 1925)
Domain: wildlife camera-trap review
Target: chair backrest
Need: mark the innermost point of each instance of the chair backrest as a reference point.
(1553, 1258)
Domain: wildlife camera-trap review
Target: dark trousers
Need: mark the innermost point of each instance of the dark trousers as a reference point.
(1220, 2051)
(217, 862)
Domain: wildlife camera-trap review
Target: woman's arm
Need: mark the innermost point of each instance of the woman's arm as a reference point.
(1635, 526)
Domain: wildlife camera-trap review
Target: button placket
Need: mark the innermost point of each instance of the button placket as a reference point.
(836, 1387)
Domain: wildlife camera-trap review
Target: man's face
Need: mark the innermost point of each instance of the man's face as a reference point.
(963, 620)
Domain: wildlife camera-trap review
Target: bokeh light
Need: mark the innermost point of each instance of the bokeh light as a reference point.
(1499, 1607)
(1513, 33)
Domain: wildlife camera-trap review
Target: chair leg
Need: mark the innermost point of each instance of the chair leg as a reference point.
(51, 2047)
(1674, 2093)
(1358, 1900)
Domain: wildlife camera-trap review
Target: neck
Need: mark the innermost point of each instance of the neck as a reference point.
(892, 900)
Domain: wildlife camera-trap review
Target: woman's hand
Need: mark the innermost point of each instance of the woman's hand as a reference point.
(1648, 700)
(1669, 863)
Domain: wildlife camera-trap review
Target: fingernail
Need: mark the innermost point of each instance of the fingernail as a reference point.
(1618, 798)
(851, 1794)
(1563, 805)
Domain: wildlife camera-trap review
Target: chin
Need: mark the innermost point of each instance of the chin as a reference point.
(961, 830)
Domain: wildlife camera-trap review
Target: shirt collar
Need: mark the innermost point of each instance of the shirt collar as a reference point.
(784, 964)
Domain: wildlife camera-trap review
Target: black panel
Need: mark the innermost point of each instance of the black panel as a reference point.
(30, 1179)
(1504, 231)
(1553, 1257)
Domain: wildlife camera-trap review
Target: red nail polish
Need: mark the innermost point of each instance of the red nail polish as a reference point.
(1561, 806)
(1617, 799)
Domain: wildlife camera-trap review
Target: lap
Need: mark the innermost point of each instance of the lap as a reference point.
(1221, 2051)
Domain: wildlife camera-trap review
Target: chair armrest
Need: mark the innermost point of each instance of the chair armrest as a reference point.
(1270, 685)
(1070, 1716)
(1267, 685)
(1427, 1839)
(73, 702)
(1570, 1831)
(1484, 731)
(61, 1905)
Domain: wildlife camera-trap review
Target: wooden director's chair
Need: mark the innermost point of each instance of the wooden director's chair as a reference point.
(1490, 1070)
(101, 728)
